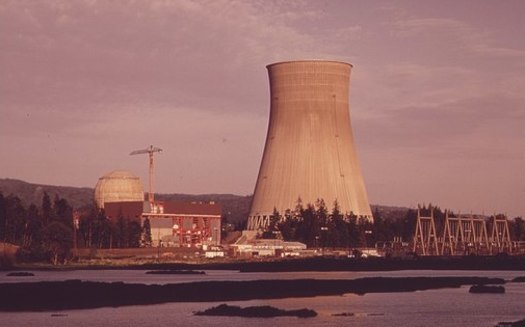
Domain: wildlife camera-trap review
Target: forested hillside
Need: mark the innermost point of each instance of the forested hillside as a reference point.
(235, 207)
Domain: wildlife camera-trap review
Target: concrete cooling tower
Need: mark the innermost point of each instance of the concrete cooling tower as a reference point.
(309, 151)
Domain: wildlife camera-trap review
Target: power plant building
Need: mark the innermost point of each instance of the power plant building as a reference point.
(185, 224)
(309, 152)
(173, 223)
(118, 186)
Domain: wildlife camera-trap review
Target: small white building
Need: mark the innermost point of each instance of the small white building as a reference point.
(267, 248)
(211, 252)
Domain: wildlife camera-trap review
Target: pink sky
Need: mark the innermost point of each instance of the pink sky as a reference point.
(437, 92)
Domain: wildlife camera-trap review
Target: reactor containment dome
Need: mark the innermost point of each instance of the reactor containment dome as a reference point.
(118, 186)
(309, 152)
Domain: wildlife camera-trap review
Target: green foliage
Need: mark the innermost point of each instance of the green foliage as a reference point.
(15, 219)
(125, 233)
(517, 229)
(58, 241)
(146, 232)
(43, 233)
(3, 218)
(134, 234)
(273, 229)
(47, 210)
(63, 212)
(97, 231)
(32, 233)
(121, 233)
(315, 226)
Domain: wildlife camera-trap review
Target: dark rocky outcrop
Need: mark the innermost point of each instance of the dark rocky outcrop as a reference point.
(490, 289)
(255, 312)
(519, 323)
(20, 274)
(46, 296)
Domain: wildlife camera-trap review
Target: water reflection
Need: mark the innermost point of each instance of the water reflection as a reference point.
(446, 307)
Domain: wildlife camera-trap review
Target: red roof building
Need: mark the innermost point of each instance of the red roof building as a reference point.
(185, 223)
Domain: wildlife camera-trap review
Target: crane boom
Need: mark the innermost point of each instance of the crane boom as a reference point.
(150, 151)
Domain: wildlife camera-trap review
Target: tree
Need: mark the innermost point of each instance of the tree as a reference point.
(407, 227)
(308, 229)
(86, 225)
(288, 225)
(63, 212)
(518, 229)
(3, 218)
(58, 241)
(275, 218)
(15, 220)
(121, 236)
(33, 227)
(146, 232)
(32, 247)
(97, 230)
(47, 209)
(365, 228)
(341, 236)
(325, 227)
(134, 233)
(353, 230)
(273, 226)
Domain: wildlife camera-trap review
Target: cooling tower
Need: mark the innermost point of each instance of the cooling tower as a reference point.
(309, 151)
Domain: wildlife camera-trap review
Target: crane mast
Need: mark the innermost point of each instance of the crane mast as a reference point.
(150, 151)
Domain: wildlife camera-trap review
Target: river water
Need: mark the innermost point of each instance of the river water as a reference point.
(444, 307)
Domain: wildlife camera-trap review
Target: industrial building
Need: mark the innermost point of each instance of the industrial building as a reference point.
(172, 223)
(185, 224)
(267, 248)
(118, 186)
(309, 152)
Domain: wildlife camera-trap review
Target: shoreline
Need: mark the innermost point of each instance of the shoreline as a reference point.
(321, 264)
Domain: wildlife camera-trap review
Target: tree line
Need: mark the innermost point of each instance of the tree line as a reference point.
(50, 231)
(317, 226)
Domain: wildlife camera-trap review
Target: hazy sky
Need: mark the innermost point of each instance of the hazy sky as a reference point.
(437, 92)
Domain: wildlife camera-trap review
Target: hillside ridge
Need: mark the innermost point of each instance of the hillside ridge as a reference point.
(234, 207)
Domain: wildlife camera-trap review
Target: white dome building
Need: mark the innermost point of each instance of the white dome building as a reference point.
(118, 186)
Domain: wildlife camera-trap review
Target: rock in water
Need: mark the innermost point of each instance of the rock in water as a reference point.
(519, 323)
(487, 289)
(20, 274)
(264, 311)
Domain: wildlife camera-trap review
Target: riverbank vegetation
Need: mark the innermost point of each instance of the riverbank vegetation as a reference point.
(49, 232)
(318, 226)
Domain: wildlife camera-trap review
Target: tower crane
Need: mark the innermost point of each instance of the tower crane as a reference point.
(151, 150)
